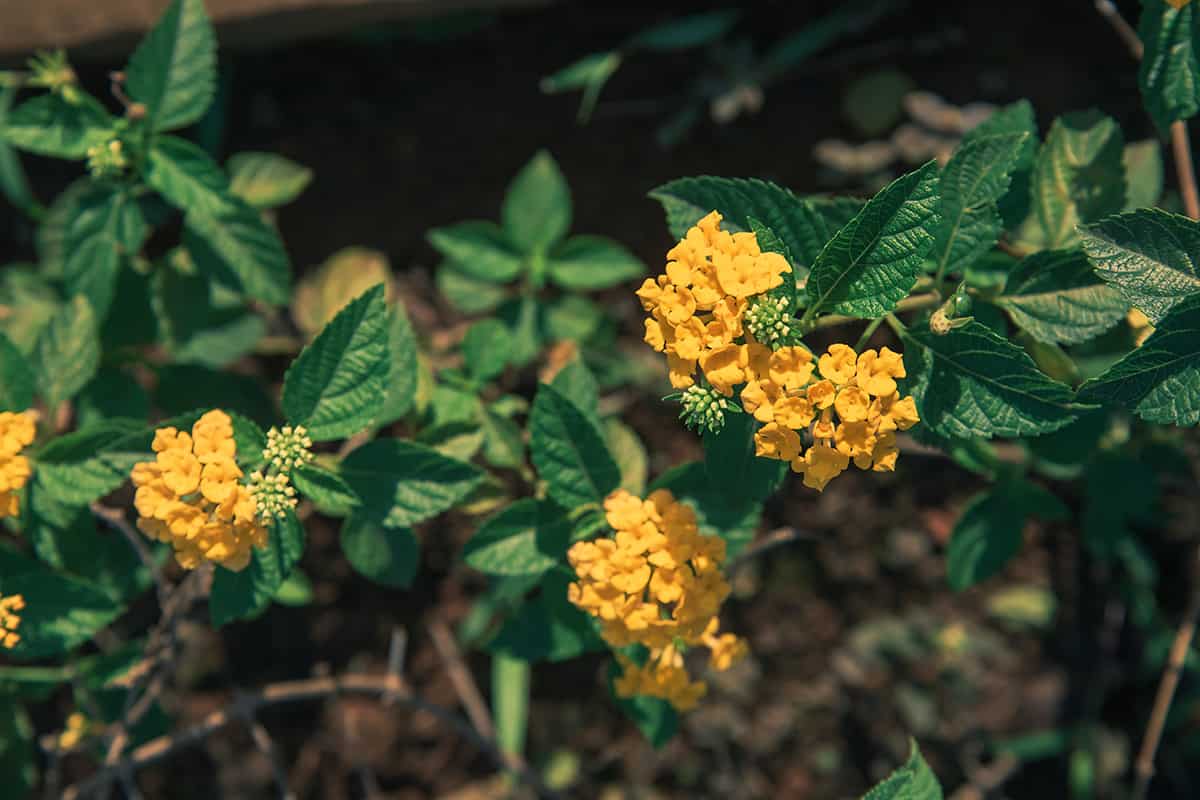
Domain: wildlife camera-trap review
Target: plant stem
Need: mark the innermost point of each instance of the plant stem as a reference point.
(866, 334)
(1108, 10)
(1181, 147)
(913, 303)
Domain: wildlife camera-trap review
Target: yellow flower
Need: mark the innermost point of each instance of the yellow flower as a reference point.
(820, 465)
(650, 292)
(822, 394)
(190, 496)
(776, 441)
(743, 275)
(759, 398)
(689, 340)
(877, 371)
(10, 620)
(852, 404)
(824, 429)
(892, 412)
(656, 334)
(792, 412)
(791, 367)
(725, 367)
(885, 453)
(17, 431)
(77, 728)
(680, 370)
(676, 304)
(838, 364)
(854, 439)
(726, 649)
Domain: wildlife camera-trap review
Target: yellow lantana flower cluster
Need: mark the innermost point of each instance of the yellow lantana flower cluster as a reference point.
(10, 620)
(696, 306)
(17, 431)
(190, 495)
(657, 582)
(852, 411)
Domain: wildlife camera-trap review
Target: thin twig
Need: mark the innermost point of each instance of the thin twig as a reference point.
(251, 703)
(914, 303)
(774, 539)
(266, 746)
(115, 518)
(460, 675)
(1144, 766)
(1181, 147)
(1129, 36)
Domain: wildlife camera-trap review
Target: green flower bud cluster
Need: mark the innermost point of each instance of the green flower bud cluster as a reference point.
(287, 448)
(703, 409)
(51, 70)
(274, 495)
(768, 321)
(107, 159)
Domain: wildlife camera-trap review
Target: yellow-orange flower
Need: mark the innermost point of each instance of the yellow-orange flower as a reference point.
(10, 620)
(17, 431)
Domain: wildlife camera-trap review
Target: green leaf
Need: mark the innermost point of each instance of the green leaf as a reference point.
(548, 627)
(569, 452)
(266, 180)
(467, 294)
(527, 538)
(974, 382)
(503, 445)
(521, 315)
(988, 533)
(405, 367)
(187, 177)
(537, 207)
(60, 613)
(974, 180)
(486, 349)
(577, 384)
(106, 230)
(173, 72)
(17, 379)
(84, 465)
(18, 762)
(387, 555)
(246, 594)
(401, 483)
(337, 385)
(1079, 175)
(1059, 299)
(588, 263)
(734, 472)
(913, 781)
(329, 491)
(478, 249)
(13, 182)
(630, 455)
(657, 719)
(198, 325)
(1016, 117)
(185, 387)
(68, 352)
(296, 590)
(241, 251)
(32, 302)
(733, 519)
(1170, 64)
(804, 226)
(768, 242)
(589, 73)
(510, 702)
(685, 33)
(1143, 174)
(50, 126)
(1151, 256)
(872, 263)
(1159, 381)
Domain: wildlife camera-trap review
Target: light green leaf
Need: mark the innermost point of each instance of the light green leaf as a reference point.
(1159, 381)
(50, 126)
(589, 73)
(1143, 174)
(329, 491)
(974, 382)
(387, 555)
(1079, 175)
(84, 465)
(405, 367)
(486, 348)
(60, 612)
(502, 443)
(872, 263)
(17, 379)
(401, 483)
(173, 72)
(630, 455)
(468, 295)
(521, 315)
(685, 33)
(246, 594)
(569, 452)
(1170, 65)
(266, 180)
(804, 226)
(526, 538)
(337, 385)
(976, 177)
(68, 352)
(913, 781)
(1151, 256)
(241, 251)
(510, 702)
(107, 229)
(588, 263)
(577, 384)
(537, 207)
(574, 317)
(32, 302)
(187, 177)
(296, 590)
(1057, 297)
(988, 533)
(478, 249)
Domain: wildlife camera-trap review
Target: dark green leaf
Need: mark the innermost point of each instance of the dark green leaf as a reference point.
(913, 781)
(197, 326)
(467, 294)
(872, 263)
(405, 367)
(734, 472)
(173, 72)
(548, 627)
(1079, 175)
(486, 349)
(1159, 381)
(974, 382)
(84, 465)
(13, 182)
(537, 207)
(113, 392)
(106, 230)
(527, 538)
(50, 126)
(684, 33)
(337, 385)
(401, 483)
(478, 249)
(657, 719)
(188, 177)
(735, 522)
(1170, 65)
(1059, 299)
(387, 555)
(328, 491)
(17, 379)
(68, 352)
(184, 387)
(1152, 257)
(246, 594)
(569, 452)
(238, 249)
(588, 263)
(18, 761)
(576, 383)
